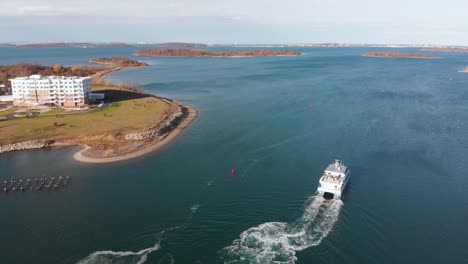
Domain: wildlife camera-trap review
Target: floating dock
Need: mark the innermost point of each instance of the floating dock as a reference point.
(36, 184)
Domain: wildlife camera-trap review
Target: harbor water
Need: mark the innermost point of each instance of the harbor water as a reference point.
(399, 124)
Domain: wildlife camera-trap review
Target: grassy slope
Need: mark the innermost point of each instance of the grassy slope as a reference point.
(128, 115)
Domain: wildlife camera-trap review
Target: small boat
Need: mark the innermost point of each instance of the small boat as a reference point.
(333, 181)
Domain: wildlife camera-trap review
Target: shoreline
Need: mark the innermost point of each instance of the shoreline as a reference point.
(150, 146)
(399, 55)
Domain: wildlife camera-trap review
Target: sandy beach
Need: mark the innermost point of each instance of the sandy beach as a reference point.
(148, 147)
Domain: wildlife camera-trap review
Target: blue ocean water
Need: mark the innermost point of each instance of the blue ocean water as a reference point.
(400, 124)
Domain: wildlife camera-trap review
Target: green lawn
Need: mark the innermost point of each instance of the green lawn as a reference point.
(8, 111)
(123, 117)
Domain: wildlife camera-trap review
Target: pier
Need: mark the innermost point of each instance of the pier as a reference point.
(36, 184)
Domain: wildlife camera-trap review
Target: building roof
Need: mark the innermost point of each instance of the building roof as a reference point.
(52, 77)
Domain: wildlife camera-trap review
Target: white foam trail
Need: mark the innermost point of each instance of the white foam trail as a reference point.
(107, 256)
(194, 208)
(277, 242)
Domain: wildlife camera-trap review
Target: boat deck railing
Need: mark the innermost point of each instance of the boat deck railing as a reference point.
(330, 178)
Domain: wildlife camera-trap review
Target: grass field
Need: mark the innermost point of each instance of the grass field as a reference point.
(130, 112)
(8, 111)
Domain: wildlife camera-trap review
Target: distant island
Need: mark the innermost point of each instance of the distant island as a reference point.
(446, 49)
(181, 45)
(399, 55)
(205, 53)
(72, 45)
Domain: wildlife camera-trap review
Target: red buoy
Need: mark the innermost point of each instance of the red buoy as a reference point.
(233, 171)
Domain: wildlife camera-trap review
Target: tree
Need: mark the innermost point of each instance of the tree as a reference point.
(57, 68)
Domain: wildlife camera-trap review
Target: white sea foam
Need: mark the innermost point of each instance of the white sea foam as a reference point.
(139, 257)
(109, 256)
(277, 242)
(193, 210)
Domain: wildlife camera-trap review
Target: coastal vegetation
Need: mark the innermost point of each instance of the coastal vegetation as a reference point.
(119, 62)
(399, 55)
(24, 69)
(205, 53)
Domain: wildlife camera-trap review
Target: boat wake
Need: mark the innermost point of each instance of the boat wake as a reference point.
(139, 257)
(278, 242)
(108, 256)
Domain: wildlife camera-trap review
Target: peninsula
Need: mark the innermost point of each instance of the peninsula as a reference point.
(129, 124)
(119, 62)
(447, 49)
(205, 53)
(399, 55)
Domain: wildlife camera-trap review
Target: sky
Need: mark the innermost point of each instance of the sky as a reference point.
(239, 21)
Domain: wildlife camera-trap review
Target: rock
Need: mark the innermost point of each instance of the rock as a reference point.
(164, 127)
(34, 144)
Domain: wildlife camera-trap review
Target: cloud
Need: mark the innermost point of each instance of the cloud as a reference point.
(44, 11)
(294, 20)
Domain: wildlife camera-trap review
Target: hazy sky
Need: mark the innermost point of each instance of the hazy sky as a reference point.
(242, 21)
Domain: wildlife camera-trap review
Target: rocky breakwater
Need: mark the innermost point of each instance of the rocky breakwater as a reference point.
(34, 144)
(166, 126)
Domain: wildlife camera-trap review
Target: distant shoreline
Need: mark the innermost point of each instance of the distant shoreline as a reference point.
(399, 55)
(447, 49)
(73, 45)
(214, 54)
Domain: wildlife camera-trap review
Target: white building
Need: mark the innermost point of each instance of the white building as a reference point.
(51, 90)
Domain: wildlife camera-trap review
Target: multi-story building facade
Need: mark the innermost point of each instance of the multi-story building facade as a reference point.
(51, 90)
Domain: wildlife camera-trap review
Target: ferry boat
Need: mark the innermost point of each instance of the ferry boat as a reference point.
(333, 181)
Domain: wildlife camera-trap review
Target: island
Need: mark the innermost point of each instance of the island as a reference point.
(72, 45)
(205, 53)
(128, 124)
(399, 55)
(447, 49)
